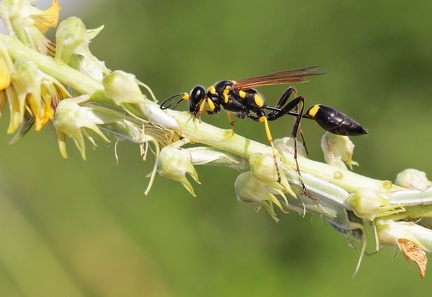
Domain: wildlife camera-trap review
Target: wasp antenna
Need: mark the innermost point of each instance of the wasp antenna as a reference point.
(170, 100)
(181, 99)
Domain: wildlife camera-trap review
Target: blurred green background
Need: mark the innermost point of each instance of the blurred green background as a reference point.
(84, 228)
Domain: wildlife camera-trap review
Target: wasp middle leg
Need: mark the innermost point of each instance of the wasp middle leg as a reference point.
(262, 117)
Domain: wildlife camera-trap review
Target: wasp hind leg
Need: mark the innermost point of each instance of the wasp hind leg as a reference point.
(263, 118)
(283, 107)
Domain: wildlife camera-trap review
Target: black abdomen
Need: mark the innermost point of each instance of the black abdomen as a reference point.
(335, 121)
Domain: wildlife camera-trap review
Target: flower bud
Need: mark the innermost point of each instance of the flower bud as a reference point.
(250, 189)
(73, 40)
(122, 87)
(212, 156)
(337, 150)
(35, 92)
(263, 168)
(413, 240)
(371, 204)
(413, 179)
(30, 23)
(77, 121)
(6, 66)
(174, 163)
(286, 144)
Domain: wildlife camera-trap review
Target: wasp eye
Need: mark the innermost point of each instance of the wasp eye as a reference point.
(197, 94)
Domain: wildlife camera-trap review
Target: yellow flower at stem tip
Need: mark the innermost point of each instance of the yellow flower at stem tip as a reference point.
(29, 23)
(4, 74)
(47, 18)
(34, 92)
(6, 66)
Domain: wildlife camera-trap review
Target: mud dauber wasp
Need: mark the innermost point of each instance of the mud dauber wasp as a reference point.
(241, 99)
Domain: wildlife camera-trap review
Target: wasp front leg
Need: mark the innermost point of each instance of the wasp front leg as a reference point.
(198, 108)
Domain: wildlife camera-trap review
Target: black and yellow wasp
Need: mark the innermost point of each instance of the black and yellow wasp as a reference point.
(241, 99)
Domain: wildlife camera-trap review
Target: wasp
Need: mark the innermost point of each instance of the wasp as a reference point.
(241, 99)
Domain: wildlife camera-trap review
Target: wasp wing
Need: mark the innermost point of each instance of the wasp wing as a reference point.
(298, 75)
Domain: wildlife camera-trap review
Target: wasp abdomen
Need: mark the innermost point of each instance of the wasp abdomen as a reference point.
(334, 121)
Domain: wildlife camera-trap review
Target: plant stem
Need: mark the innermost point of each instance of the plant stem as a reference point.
(223, 139)
(57, 69)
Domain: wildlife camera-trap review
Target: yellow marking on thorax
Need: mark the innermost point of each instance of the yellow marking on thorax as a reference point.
(242, 94)
(225, 94)
(212, 90)
(258, 100)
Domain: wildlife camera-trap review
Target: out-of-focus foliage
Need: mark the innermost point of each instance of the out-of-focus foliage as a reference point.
(75, 228)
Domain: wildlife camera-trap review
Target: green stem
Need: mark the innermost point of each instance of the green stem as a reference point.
(224, 139)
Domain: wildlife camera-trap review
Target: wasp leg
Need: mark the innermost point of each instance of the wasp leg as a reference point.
(262, 118)
(280, 110)
(199, 108)
(294, 132)
(285, 96)
(230, 118)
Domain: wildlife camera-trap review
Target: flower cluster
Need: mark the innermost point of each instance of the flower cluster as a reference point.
(66, 85)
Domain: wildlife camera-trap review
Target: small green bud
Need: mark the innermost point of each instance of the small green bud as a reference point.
(250, 189)
(174, 163)
(263, 168)
(371, 204)
(73, 40)
(122, 87)
(77, 121)
(211, 156)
